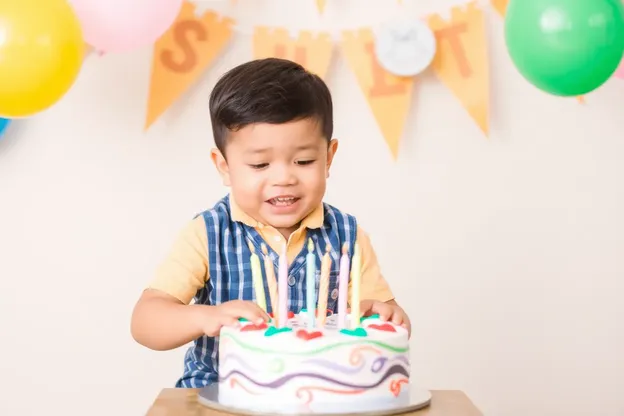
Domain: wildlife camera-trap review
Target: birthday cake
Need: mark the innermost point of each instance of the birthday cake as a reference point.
(298, 368)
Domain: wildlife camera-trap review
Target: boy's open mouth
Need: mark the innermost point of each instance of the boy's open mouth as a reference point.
(283, 201)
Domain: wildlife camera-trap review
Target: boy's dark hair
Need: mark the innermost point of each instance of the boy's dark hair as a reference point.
(269, 90)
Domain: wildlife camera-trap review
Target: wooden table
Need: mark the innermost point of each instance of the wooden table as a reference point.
(183, 402)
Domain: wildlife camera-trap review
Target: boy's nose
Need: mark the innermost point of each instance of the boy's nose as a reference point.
(284, 176)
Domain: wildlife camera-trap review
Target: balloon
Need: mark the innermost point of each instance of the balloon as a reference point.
(123, 25)
(565, 47)
(41, 53)
(4, 123)
(620, 71)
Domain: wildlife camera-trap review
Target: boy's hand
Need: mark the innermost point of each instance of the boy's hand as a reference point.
(388, 311)
(212, 318)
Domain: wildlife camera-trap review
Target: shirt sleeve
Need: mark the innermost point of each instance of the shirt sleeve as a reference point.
(372, 283)
(185, 269)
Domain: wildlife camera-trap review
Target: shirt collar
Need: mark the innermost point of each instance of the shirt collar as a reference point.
(312, 220)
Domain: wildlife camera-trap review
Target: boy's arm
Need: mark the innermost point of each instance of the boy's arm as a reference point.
(162, 318)
(373, 285)
(374, 289)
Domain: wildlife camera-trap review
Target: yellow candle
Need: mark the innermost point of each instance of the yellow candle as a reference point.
(355, 286)
(269, 271)
(321, 314)
(256, 274)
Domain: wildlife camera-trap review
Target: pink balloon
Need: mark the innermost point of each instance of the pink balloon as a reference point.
(619, 73)
(123, 25)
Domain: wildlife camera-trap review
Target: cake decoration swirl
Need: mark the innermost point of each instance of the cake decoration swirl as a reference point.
(396, 369)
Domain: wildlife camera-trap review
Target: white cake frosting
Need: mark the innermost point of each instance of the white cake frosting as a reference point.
(318, 370)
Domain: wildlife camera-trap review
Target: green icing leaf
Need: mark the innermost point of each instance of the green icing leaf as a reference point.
(375, 316)
(357, 332)
(243, 320)
(273, 331)
(304, 310)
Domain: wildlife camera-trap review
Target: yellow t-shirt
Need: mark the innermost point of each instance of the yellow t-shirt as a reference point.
(185, 269)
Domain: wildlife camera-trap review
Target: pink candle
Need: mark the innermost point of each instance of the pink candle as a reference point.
(343, 286)
(282, 280)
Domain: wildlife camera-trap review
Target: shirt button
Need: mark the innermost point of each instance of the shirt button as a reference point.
(334, 294)
(291, 280)
(277, 238)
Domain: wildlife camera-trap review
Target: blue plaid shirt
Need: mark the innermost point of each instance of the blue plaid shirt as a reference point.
(230, 276)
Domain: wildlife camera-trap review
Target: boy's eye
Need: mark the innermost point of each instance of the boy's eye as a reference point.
(305, 162)
(259, 165)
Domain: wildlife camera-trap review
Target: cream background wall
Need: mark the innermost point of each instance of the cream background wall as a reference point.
(507, 253)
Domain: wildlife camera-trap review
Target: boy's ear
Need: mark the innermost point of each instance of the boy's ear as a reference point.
(331, 152)
(221, 165)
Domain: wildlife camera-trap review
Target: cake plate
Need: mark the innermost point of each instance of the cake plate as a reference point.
(418, 399)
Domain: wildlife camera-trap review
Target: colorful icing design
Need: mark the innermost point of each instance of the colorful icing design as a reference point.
(380, 344)
(382, 327)
(307, 336)
(357, 332)
(395, 386)
(274, 331)
(254, 327)
(378, 364)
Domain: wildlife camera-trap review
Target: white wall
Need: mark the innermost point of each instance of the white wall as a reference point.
(507, 253)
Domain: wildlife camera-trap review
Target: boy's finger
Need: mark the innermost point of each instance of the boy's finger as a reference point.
(397, 318)
(252, 313)
(384, 311)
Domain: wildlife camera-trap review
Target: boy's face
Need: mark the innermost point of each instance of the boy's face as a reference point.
(277, 172)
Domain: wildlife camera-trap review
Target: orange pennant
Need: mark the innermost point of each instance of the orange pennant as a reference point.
(182, 54)
(500, 6)
(312, 52)
(388, 96)
(461, 61)
(320, 5)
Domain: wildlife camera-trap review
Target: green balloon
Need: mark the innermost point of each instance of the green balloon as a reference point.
(565, 47)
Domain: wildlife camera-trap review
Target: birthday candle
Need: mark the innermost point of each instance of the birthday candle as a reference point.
(323, 288)
(256, 274)
(343, 286)
(269, 271)
(355, 287)
(311, 283)
(282, 281)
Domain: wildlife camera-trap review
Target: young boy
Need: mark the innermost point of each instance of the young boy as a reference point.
(272, 124)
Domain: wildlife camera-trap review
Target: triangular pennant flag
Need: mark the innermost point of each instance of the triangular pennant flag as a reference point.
(182, 54)
(388, 96)
(313, 52)
(320, 5)
(461, 60)
(500, 6)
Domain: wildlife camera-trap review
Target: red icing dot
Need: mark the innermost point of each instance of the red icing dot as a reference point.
(383, 327)
(254, 327)
(291, 315)
(303, 334)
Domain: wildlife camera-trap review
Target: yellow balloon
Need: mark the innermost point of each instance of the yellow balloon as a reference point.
(41, 53)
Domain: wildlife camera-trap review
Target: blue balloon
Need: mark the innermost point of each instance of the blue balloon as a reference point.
(4, 123)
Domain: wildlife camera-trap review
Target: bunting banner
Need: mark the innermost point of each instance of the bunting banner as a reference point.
(388, 96)
(500, 6)
(320, 5)
(461, 62)
(312, 51)
(182, 54)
